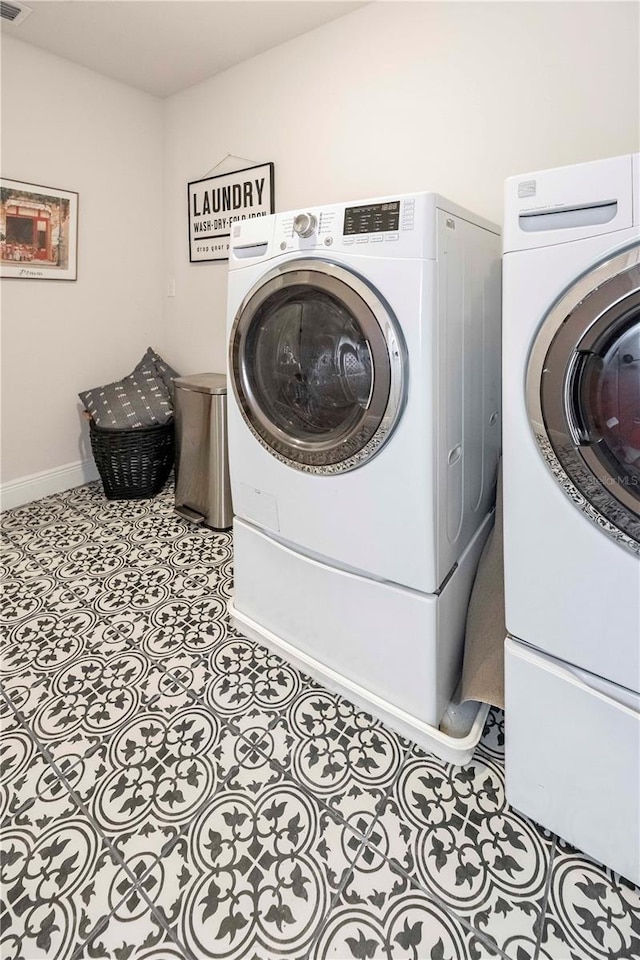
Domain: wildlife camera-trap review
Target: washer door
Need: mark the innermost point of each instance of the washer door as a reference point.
(316, 365)
(583, 394)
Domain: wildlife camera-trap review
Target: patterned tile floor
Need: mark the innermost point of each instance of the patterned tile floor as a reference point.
(171, 790)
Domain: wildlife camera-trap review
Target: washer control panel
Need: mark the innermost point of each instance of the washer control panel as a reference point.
(344, 225)
(396, 227)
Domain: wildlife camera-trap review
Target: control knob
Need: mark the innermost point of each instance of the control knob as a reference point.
(304, 224)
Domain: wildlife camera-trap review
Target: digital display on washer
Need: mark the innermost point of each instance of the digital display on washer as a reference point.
(372, 218)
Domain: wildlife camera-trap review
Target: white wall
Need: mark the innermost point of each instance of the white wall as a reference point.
(395, 97)
(68, 127)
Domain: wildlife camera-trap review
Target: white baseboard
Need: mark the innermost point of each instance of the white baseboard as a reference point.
(38, 485)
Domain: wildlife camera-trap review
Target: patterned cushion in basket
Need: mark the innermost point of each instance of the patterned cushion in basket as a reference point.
(139, 400)
(163, 370)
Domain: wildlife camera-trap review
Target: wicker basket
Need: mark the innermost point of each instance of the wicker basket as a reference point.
(134, 463)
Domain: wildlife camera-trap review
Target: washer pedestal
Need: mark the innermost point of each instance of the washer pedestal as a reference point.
(395, 652)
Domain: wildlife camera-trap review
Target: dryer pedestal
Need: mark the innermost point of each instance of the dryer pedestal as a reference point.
(396, 653)
(574, 736)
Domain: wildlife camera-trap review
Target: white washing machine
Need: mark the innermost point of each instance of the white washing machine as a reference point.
(571, 397)
(364, 432)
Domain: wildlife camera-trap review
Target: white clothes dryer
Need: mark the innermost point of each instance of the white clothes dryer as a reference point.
(364, 434)
(571, 397)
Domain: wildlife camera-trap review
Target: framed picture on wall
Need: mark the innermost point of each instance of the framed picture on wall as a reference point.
(38, 232)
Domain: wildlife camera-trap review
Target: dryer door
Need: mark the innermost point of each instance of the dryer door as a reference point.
(583, 394)
(316, 364)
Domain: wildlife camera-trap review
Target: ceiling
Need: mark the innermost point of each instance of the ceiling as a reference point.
(164, 46)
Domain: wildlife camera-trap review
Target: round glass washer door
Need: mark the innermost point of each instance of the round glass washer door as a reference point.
(317, 366)
(583, 394)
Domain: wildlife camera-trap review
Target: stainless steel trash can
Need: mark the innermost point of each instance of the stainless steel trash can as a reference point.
(203, 491)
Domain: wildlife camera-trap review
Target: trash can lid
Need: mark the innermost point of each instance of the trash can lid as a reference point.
(203, 383)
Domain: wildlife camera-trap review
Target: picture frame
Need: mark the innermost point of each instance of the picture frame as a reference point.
(38, 232)
(216, 203)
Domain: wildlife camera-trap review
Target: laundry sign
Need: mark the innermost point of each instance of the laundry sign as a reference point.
(216, 203)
